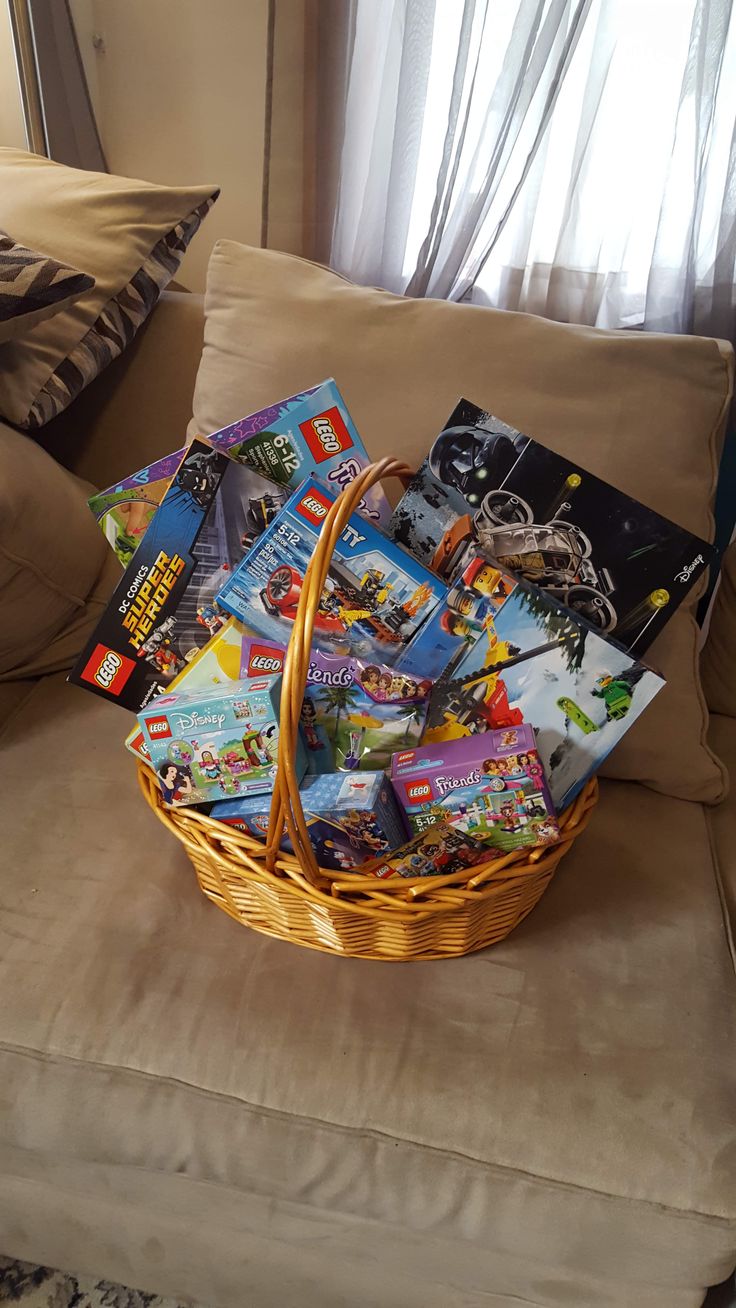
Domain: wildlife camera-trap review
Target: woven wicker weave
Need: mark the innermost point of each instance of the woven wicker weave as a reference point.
(289, 896)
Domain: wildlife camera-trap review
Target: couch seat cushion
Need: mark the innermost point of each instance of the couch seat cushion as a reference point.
(578, 1077)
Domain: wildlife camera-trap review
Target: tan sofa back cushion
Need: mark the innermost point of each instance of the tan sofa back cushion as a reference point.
(55, 564)
(718, 663)
(646, 412)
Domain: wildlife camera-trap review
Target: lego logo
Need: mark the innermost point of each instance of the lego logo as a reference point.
(158, 727)
(418, 790)
(404, 758)
(107, 670)
(314, 507)
(263, 659)
(326, 435)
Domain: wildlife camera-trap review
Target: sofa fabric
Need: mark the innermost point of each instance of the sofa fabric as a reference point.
(548, 1115)
(130, 236)
(33, 287)
(719, 654)
(54, 564)
(646, 412)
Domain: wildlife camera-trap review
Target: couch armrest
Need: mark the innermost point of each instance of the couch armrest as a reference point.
(139, 408)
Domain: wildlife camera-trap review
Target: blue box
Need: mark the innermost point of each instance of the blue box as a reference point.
(376, 595)
(216, 742)
(351, 818)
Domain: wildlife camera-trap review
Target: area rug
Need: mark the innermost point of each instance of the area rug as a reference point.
(42, 1287)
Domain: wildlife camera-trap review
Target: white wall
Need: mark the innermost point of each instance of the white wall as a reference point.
(11, 118)
(179, 90)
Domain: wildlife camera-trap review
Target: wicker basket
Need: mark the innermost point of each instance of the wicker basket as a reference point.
(291, 897)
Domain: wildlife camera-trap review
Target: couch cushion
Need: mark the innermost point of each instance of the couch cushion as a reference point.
(128, 235)
(646, 412)
(53, 561)
(565, 1101)
(33, 287)
(719, 655)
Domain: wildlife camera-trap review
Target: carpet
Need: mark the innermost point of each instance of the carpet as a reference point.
(42, 1287)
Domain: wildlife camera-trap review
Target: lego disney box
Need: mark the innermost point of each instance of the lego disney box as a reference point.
(308, 432)
(490, 785)
(375, 597)
(535, 661)
(164, 610)
(616, 563)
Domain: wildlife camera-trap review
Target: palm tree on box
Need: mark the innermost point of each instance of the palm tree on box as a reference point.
(337, 698)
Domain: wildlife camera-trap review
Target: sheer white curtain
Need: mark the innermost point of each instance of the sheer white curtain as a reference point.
(572, 158)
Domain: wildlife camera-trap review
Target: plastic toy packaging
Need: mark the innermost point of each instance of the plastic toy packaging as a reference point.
(350, 818)
(217, 742)
(356, 714)
(491, 786)
(439, 851)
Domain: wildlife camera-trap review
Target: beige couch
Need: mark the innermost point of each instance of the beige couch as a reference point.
(194, 1109)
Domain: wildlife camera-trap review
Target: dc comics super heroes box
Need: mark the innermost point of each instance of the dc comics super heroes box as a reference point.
(618, 564)
(375, 596)
(311, 431)
(164, 610)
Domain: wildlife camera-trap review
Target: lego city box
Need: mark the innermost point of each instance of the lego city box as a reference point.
(311, 431)
(350, 818)
(164, 609)
(375, 597)
(222, 741)
(491, 786)
(533, 660)
(616, 563)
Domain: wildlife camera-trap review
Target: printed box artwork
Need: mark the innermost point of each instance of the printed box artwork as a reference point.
(356, 713)
(308, 432)
(219, 742)
(491, 786)
(478, 590)
(375, 597)
(215, 665)
(164, 608)
(441, 850)
(535, 661)
(616, 563)
(350, 818)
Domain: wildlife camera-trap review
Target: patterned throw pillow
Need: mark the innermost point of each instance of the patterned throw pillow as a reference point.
(33, 287)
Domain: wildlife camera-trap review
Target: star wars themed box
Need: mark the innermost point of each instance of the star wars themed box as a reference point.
(164, 610)
(350, 818)
(616, 563)
(441, 850)
(491, 786)
(216, 743)
(536, 661)
(308, 432)
(375, 596)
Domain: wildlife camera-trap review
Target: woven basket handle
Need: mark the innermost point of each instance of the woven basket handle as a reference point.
(286, 807)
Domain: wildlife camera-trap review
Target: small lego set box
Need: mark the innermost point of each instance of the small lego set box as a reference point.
(164, 610)
(617, 564)
(535, 661)
(441, 850)
(477, 592)
(491, 786)
(356, 714)
(350, 818)
(375, 597)
(215, 743)
(308, 432)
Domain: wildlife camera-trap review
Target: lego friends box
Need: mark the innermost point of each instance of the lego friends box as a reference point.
(375, 596)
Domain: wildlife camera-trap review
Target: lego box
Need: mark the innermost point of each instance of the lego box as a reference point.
(441, 850)
(215, 743)
(164, 610)
(619, 565)
(308, 432)
(535, 661)
(350, 818)
(491, 786)
(375, 597)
